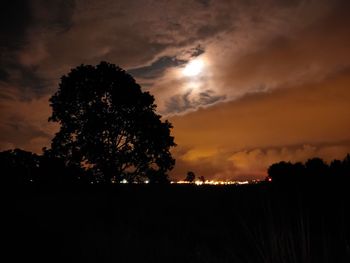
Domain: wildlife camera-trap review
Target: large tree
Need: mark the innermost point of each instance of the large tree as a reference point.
(109, 125)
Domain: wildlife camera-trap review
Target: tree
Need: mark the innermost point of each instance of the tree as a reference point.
(19, 167)
(201, 178)
(281, 171)
(54, 172)
(316, 167)
(312, 171)
(190, 177)
(109, 126)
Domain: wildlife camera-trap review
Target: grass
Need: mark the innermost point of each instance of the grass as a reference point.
(145, 223)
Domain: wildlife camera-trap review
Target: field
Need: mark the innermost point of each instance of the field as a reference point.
(179, 223)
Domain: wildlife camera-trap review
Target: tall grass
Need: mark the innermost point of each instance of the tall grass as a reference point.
(297, 227)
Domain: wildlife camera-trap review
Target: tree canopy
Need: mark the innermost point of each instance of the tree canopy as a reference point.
(20, 167)
(109, 126)
(313, 170)
(190, 177)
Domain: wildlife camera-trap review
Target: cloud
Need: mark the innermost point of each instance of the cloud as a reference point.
(24, 122)
(156, 69)
(13, 30)
(251, 164)
(25, 27)
(240, 139)
(191, 100)
(242, 41)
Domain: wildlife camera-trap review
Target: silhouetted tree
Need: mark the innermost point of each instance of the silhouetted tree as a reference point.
(190, 176)
(109, 126)
(201, 178)
(316, 167)
(281, 171)
(336, 168)
(346, 165)
(19, 167)
(54, 171)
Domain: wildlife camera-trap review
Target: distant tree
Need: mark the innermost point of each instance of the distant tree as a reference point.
(190, 177)
(346, 165)
(313, 170)
(201, 178)
(340, 169)
(286, 172)
(109, 126)
(19, 167)
(336, 168)
(298, 171)
(281, 171)
(316, 167)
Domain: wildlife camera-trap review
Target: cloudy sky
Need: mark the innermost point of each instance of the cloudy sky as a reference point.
(274, 82)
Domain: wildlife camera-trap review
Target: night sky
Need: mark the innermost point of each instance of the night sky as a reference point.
(245, 83)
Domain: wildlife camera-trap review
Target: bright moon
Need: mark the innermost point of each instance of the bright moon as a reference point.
(193, 68)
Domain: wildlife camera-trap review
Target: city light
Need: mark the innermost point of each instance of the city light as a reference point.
(213, 182)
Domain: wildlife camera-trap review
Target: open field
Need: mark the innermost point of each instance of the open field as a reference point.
(180, 223)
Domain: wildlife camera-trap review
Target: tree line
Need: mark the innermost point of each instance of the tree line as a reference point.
(313, 170)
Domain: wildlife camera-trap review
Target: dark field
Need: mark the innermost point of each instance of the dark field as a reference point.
(150, 223)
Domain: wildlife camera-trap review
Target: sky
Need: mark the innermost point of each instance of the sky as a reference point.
(274, 82)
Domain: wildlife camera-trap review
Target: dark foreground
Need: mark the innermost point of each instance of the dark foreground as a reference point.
(145, 223)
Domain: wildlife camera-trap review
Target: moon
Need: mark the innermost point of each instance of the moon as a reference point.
(193, 68)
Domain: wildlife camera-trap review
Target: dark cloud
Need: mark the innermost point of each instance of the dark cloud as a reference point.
(157, 68)
(30, 83)
(22, 23)
(3, 75)
(190, 101)
(54, 14)
(15, 19)
(21, 131)
(205, 3)
(197, 51)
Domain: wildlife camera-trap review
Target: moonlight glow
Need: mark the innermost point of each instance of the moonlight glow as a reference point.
(193, 68)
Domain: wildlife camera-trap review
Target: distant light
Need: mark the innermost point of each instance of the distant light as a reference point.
(146, 181)
(124, 181)
(193, 68)
(198, 182)
(212, 182)
(244, 182)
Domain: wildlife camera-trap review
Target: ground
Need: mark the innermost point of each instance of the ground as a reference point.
(179, 223)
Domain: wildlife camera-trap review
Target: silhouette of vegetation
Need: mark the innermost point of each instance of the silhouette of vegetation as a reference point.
(313, 170)
(190, 177)
(25, 168)
(109, 126)
(19, 167)
(201, 178)
(109, 132)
